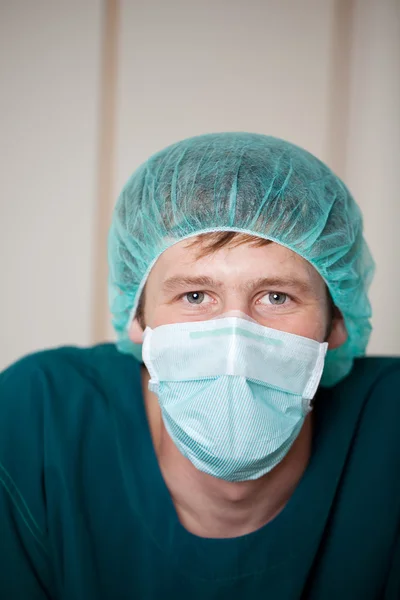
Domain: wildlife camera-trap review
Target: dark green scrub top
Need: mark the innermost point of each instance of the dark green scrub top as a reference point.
(85, 513)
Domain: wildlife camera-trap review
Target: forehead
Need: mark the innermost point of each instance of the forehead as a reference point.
(233, 263)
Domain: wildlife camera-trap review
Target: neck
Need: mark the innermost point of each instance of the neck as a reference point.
(211, 507)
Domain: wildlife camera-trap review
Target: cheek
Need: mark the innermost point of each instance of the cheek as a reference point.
(310, 324)
(315, 332)
(315, 327)
(162, 315)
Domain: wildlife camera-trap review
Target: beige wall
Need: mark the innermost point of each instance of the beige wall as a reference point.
(49, 73)
(373, 155)
(193, 67)
(322, 73)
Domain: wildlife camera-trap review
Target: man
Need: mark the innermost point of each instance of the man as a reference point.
(202, 458)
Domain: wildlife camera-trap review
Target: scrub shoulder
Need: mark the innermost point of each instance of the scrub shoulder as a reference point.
(61, 392)
(50, 402)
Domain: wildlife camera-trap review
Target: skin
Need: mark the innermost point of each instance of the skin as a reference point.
(275, 287)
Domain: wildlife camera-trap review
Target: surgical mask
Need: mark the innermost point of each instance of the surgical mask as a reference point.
(233, 394)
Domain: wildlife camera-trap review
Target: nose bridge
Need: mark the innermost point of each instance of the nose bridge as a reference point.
(236, 299)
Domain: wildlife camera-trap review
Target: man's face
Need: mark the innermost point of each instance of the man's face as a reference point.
(271, 284)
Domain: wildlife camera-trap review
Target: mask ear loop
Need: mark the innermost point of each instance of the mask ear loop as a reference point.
(313, 383)
(154, 381)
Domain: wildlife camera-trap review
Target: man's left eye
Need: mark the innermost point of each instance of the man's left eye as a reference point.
(274, 298)
(195, 297)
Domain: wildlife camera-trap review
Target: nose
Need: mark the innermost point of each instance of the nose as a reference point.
(236, 313)
(236, 302)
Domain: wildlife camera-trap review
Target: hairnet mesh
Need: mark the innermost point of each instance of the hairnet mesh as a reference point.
(247, 183)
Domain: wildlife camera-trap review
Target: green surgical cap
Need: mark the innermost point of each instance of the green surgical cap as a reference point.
(248, 183)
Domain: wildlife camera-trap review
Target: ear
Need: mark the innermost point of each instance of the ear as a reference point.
(338, 332)
(136, 332)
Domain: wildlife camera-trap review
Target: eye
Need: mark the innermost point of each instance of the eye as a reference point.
(195, 297)
(274, 298)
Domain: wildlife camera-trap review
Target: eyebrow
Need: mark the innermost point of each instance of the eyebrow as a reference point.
(181, 281)
(275, 283)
